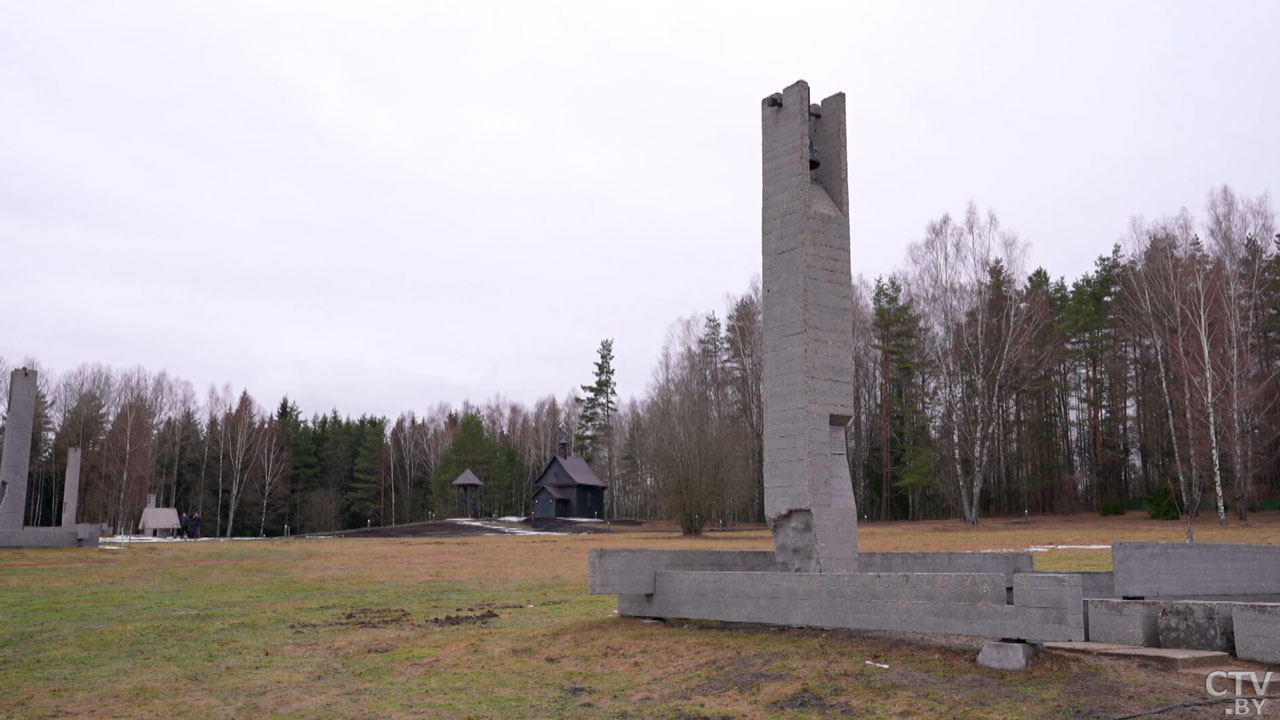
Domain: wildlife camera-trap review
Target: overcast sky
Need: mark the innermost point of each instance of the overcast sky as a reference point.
(381, 206)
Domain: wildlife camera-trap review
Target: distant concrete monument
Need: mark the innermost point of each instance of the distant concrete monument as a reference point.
(1216, 597)
(71, 487)
(14, 466)
(17, 448)
(808, 333)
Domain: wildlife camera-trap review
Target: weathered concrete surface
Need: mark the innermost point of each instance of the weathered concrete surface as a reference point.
(625, 571)
(957, 603)
(808, 335)
(71, 487)
(81, 535)
(1257, 631)
(1171, 658)
(1008, 655)
(1152, 570)
(1098, 584)
(1197, 626)
(17, 448)
(1123, 622)
(628, 572)
(948, 562)
(1050, 590)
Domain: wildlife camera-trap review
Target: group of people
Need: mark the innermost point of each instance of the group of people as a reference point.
(189, 527)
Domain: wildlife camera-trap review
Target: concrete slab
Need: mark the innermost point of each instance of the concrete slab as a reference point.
(618, 571)
(1257, 631)
(1008, 655)
(79, 535)
(957, 603)
(1197, 626)
(623, 571)
(1123, 622)
(1172, 658)
(1007, 563)
(1184, 570)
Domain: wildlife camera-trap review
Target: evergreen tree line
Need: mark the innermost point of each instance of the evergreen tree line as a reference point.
(980, 389)
(253, 471)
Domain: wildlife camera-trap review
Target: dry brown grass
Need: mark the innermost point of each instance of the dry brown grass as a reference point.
(355, 628)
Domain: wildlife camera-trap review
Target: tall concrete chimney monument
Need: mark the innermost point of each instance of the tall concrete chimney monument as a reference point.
(17, 448)
(808, 333)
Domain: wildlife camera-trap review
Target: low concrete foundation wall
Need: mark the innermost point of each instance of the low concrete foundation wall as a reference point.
(625, 571)
(952, 603)
(1123, 622)
(1152, 570)
(1006, 563)
(1257, 632)
(81, 535)
(629, 572)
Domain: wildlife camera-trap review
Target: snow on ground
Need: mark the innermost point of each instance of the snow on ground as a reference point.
(516, 519)
(498, 529)
(119, 541)
(1046, 548)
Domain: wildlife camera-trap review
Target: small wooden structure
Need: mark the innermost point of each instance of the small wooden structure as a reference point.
(568, 487)
(467, 486)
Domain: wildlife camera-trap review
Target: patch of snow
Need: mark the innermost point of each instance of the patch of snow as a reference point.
(886, 667)
(1047, 548)
(498, 529)
(510, 519)
(130, 539)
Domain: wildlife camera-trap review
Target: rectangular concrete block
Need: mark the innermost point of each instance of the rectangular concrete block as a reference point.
(1197, 626)
(81, 535)
(956, 603)
(631, 571)
(947, 562)
(1256, 627)
(1188, 570)
(1123, 622)
(1098, 584)
(1062, 590)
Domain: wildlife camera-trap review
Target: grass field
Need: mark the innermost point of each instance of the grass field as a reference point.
(503, 627)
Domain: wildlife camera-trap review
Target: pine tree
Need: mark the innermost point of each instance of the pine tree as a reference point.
(594, 437)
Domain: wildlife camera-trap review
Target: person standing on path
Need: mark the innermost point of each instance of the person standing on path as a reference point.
(183, 523)
(194, 526)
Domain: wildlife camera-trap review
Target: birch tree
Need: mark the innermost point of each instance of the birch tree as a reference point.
(241, 432)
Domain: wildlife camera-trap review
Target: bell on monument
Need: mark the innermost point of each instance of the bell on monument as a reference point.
(814, 164)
